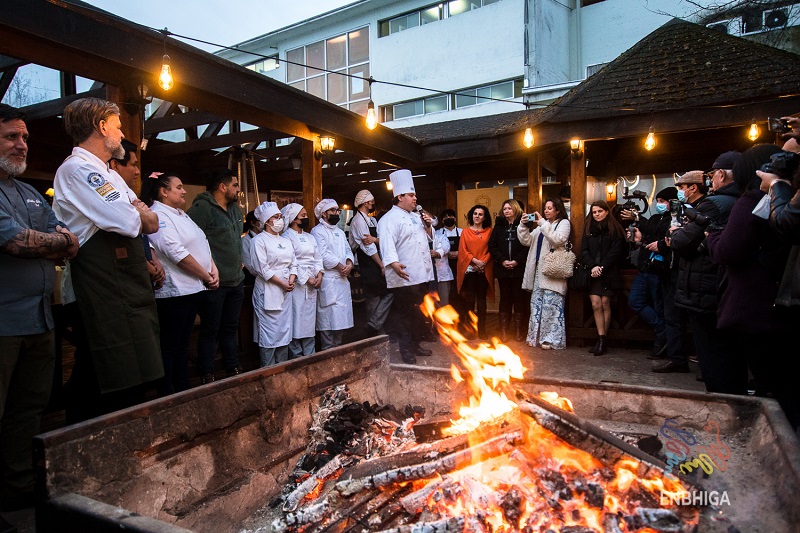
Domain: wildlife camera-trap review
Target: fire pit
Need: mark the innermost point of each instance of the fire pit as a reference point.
(210, 458)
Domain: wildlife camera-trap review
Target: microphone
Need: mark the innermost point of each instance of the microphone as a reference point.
(420, 211)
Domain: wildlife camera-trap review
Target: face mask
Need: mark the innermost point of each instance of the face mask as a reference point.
(681, 195)
(303, 223)
(277, 225)
(333, 219)
(449, 222)
(662, 208)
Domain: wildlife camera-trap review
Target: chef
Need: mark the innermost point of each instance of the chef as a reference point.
(405, 235)
(276, 270)
(334, 302)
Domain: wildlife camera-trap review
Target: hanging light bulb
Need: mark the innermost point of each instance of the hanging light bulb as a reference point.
(528, 140)
(650, 143)
(165, 79)
(754, 131)
(389, 185)
(372, 118)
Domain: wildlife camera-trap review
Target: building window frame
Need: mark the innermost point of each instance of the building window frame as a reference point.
(425, 15)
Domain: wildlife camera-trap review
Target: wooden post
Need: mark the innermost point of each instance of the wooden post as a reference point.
(575, 305)
(131, 125)
(312, 178)
(450, 195)
(534, 183)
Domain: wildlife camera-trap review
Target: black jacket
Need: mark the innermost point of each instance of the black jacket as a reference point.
(599, 248)
(698, 276)
(784, 218)
(505, 246)
(654, 229)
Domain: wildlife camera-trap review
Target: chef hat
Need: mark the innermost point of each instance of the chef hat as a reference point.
(402, 182)
(290, 212)
(266, 211)
(324, 205)
(362, 197)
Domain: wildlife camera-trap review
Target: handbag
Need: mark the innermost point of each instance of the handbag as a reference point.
(559, 263)
(581, 277)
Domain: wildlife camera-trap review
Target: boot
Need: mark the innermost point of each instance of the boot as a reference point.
(594, 348)
(601, 346)
(520, 329)
(505, 321)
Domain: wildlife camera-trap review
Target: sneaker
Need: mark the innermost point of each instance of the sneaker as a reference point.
(693, 359)
(547, 346)
(671, 366)
(207, 378)
(235, 371)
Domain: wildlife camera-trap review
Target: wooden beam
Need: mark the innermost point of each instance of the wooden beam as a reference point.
(7, 62)
(312, 178)
(53, 108)
(535, 182)
(198, 145)
(6, 77)
(179, 121)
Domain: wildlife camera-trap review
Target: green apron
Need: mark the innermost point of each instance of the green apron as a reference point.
(118, 308)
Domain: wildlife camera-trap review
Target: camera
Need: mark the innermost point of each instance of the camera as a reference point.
(631, 198)
(630, 231)
(693, 215)
(782, 164)
(776, 125)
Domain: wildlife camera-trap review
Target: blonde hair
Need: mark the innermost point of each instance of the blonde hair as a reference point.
(514, 206)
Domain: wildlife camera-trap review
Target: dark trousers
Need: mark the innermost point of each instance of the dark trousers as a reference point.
(219, 322)
(709, 347)
(473, 293)
(675, 321)
(512, 298)
(409, 323)
(26, 377)
(82, 397)
(176, 319)
(645, 299)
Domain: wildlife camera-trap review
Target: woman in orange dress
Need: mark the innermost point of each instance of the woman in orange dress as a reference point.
(475, 277)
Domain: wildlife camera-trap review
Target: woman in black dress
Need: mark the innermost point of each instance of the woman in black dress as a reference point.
(602, 250)
(509, 257)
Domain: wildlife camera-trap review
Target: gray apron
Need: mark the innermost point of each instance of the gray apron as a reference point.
(118, 308)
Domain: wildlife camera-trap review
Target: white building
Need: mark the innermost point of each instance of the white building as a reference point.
(434, 62)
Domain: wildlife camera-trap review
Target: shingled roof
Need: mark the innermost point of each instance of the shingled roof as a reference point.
(680, 65)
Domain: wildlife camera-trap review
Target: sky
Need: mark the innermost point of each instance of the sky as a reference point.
(221, 22)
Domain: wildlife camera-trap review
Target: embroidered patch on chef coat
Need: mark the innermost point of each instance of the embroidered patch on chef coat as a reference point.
(96, 180)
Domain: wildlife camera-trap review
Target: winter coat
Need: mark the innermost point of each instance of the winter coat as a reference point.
(752, 257)
(223, 229)
(653, 230)
(556, 235)
(784, 218)
(599, 248)
(504, 245)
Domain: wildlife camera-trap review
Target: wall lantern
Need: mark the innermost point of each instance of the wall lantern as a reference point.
(326, 146)
(576, 148)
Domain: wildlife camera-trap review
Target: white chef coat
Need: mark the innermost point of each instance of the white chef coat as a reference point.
(178, 237)
(272, 255)
(334, 302)
(247, 241)
(442, 245)
(88, 196)
(404, 240)
(304, 296)
(359, 228)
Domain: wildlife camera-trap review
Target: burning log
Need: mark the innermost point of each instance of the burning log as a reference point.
(449, 525)
(446, 464)
(304, 489)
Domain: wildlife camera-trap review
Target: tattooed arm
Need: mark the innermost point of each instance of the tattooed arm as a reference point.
(61, 244)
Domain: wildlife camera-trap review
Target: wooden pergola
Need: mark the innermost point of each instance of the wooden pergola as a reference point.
(696, 88)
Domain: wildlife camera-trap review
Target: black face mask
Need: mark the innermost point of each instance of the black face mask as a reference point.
(333, 219)
(449, 222)
(303, 223)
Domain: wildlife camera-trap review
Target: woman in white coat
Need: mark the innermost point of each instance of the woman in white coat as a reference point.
(276, 269)
(547, 327)
(309, 279)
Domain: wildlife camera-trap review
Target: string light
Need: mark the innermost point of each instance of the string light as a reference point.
(650, 142)
(754, 131)
(165, 79)
(528, 139)
(372, 119)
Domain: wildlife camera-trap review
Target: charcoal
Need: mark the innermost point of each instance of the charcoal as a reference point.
(512, 504)
(577, 529)
(593, 494)
(651, 444)
(659, 519)
(611, 523)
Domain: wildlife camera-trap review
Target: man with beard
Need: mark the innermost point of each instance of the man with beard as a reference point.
(218, 214)
(31, 241)
(106, 287)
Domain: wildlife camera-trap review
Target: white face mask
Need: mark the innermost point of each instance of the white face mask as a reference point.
(277, 225)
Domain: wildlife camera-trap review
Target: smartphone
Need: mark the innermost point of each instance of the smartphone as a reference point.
(776, 125)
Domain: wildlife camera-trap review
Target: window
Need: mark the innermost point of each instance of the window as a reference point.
(265, 65)
(592, 69)
(480, 95)
(429, 14)
(464, 98)
(346, 56)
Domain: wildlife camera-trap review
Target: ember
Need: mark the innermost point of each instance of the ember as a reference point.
(510, 463)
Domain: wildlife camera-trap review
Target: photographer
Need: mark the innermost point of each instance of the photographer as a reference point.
(696, 289)
(753, 257)
(652, 282)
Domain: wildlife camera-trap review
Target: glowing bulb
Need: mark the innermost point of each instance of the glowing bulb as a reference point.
(389, 185)
(372, 118)
(650, 143)
(754, 131)
(528, 139)
(165, 79)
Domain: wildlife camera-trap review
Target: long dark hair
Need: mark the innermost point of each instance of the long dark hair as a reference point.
(744, 171)
(487, 218)
(152, 185)
(561, 211)
(614, 227)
